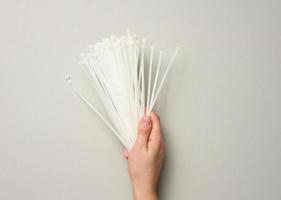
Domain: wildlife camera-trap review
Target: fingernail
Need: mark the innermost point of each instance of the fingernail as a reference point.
(146, 121)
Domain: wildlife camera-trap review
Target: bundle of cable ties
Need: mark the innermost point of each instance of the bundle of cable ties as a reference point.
(116, 67)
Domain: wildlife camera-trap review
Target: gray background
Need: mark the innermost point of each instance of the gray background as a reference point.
(220, 110)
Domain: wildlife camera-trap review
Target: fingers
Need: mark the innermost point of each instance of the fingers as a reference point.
(155, 137)
(143, 132)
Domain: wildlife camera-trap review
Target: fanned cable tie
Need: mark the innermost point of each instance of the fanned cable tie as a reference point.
(116, 68)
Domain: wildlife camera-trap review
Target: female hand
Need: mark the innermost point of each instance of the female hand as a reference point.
(145, 158)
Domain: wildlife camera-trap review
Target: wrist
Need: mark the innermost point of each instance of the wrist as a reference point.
(144, 192)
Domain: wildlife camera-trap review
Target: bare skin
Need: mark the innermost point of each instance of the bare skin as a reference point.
(145, 159)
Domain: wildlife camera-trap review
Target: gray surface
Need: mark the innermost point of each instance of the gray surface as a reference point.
(221, 109)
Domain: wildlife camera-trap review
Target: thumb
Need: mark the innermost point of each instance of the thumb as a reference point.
(143, 132)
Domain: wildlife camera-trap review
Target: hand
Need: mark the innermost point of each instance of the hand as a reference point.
(145, 158)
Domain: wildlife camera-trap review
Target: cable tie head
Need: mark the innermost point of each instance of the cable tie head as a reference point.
(67, 79)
